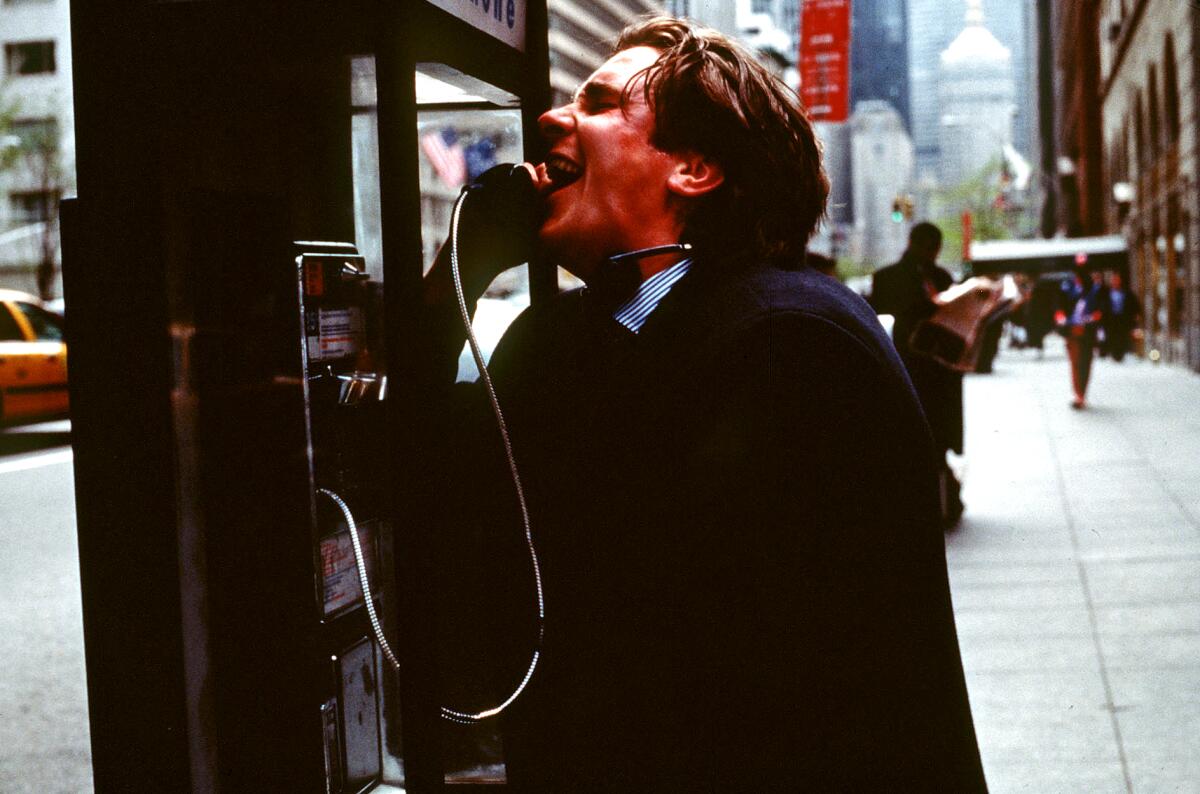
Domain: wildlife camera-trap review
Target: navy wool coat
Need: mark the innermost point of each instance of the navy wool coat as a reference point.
(737, 518)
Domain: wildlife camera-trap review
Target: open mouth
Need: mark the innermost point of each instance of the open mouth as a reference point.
(561, 171)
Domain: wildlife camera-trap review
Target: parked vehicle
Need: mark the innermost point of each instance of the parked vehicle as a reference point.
(33, 360)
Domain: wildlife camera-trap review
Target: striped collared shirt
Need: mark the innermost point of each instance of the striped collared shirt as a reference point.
(633, 313)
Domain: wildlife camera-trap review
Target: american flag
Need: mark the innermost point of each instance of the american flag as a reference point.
(481, 155)
(446, 156)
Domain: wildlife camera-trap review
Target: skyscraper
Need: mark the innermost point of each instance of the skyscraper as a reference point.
(932, 25)
(879, 55)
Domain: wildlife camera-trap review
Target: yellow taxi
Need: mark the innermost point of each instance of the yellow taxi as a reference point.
(33, 360)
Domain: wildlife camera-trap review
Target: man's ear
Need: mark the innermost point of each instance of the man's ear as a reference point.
(695, 175)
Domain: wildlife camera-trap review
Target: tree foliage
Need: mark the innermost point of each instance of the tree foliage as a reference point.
(984, 196)
(33, 151)
(10, 150)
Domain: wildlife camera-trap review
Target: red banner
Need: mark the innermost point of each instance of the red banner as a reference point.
(825, 59)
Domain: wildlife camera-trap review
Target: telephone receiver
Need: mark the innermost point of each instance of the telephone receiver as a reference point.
(501, 213)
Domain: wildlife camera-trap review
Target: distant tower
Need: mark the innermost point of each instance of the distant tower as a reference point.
(976, 92)
(879, 55)
(1014, 24)
(932, 25)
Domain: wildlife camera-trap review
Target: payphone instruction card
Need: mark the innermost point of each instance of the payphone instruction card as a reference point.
(340, 587)
(334, 333)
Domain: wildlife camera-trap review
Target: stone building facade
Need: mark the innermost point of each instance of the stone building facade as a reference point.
(882, 160)
(1148, 52)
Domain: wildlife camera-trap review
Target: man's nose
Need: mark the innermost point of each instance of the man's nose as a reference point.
(556, 122)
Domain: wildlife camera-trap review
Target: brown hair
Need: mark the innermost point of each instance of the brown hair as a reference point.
(711, 96)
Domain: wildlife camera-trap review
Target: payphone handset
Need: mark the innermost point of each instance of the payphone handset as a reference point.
(503, 212)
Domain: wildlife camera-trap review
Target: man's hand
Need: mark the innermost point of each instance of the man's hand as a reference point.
(497, 229)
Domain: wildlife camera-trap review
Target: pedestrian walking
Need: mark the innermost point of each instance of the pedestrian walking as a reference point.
(1120, 314)
(1078, 320)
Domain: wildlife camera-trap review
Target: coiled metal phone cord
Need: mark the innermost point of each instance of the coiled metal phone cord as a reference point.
(449, 713)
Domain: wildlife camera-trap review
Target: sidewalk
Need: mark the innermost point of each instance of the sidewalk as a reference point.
(1076, 575)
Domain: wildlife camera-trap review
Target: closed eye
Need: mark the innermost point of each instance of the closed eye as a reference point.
(595, 97)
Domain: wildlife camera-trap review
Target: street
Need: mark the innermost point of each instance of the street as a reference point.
(43, 702)
(1076, 578)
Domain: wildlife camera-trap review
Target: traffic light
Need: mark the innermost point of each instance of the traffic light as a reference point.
(898, 210)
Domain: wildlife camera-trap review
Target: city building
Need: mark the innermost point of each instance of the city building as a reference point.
(1014, 24)
(976, 97)
(718, 14)
(37, 144)
(1147, 190)
(882, 160)
(581, 33)
(932, 26)
(1076, 129)
(879, 67)
(835, 236)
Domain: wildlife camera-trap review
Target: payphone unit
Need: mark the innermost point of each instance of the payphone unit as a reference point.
(341, 319)
(245, 393)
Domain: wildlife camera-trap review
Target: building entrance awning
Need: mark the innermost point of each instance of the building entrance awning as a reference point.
(1059, 255)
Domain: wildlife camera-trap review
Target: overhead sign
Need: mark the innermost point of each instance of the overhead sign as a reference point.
(825, 59)
(500, 19)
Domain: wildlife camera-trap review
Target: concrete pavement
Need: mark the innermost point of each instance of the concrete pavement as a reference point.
(44, 746)
(1076, 575)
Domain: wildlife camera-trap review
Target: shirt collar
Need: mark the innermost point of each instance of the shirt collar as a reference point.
(633, 313)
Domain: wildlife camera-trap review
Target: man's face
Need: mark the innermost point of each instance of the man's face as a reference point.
(604, 184)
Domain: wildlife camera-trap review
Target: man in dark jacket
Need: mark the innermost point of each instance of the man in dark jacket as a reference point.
(1120, 312)
(907, 290)
(729, 482)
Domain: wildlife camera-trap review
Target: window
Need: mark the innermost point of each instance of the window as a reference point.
(45, 325)
(29, 57)
(1171, 90)
(32, 206)
(1139, 130)
(1155, 126)
(9, 330)
(35, 133)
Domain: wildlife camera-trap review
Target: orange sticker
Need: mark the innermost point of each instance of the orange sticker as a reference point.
(314, 279)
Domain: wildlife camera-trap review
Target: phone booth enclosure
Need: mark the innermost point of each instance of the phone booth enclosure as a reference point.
(229, 158)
